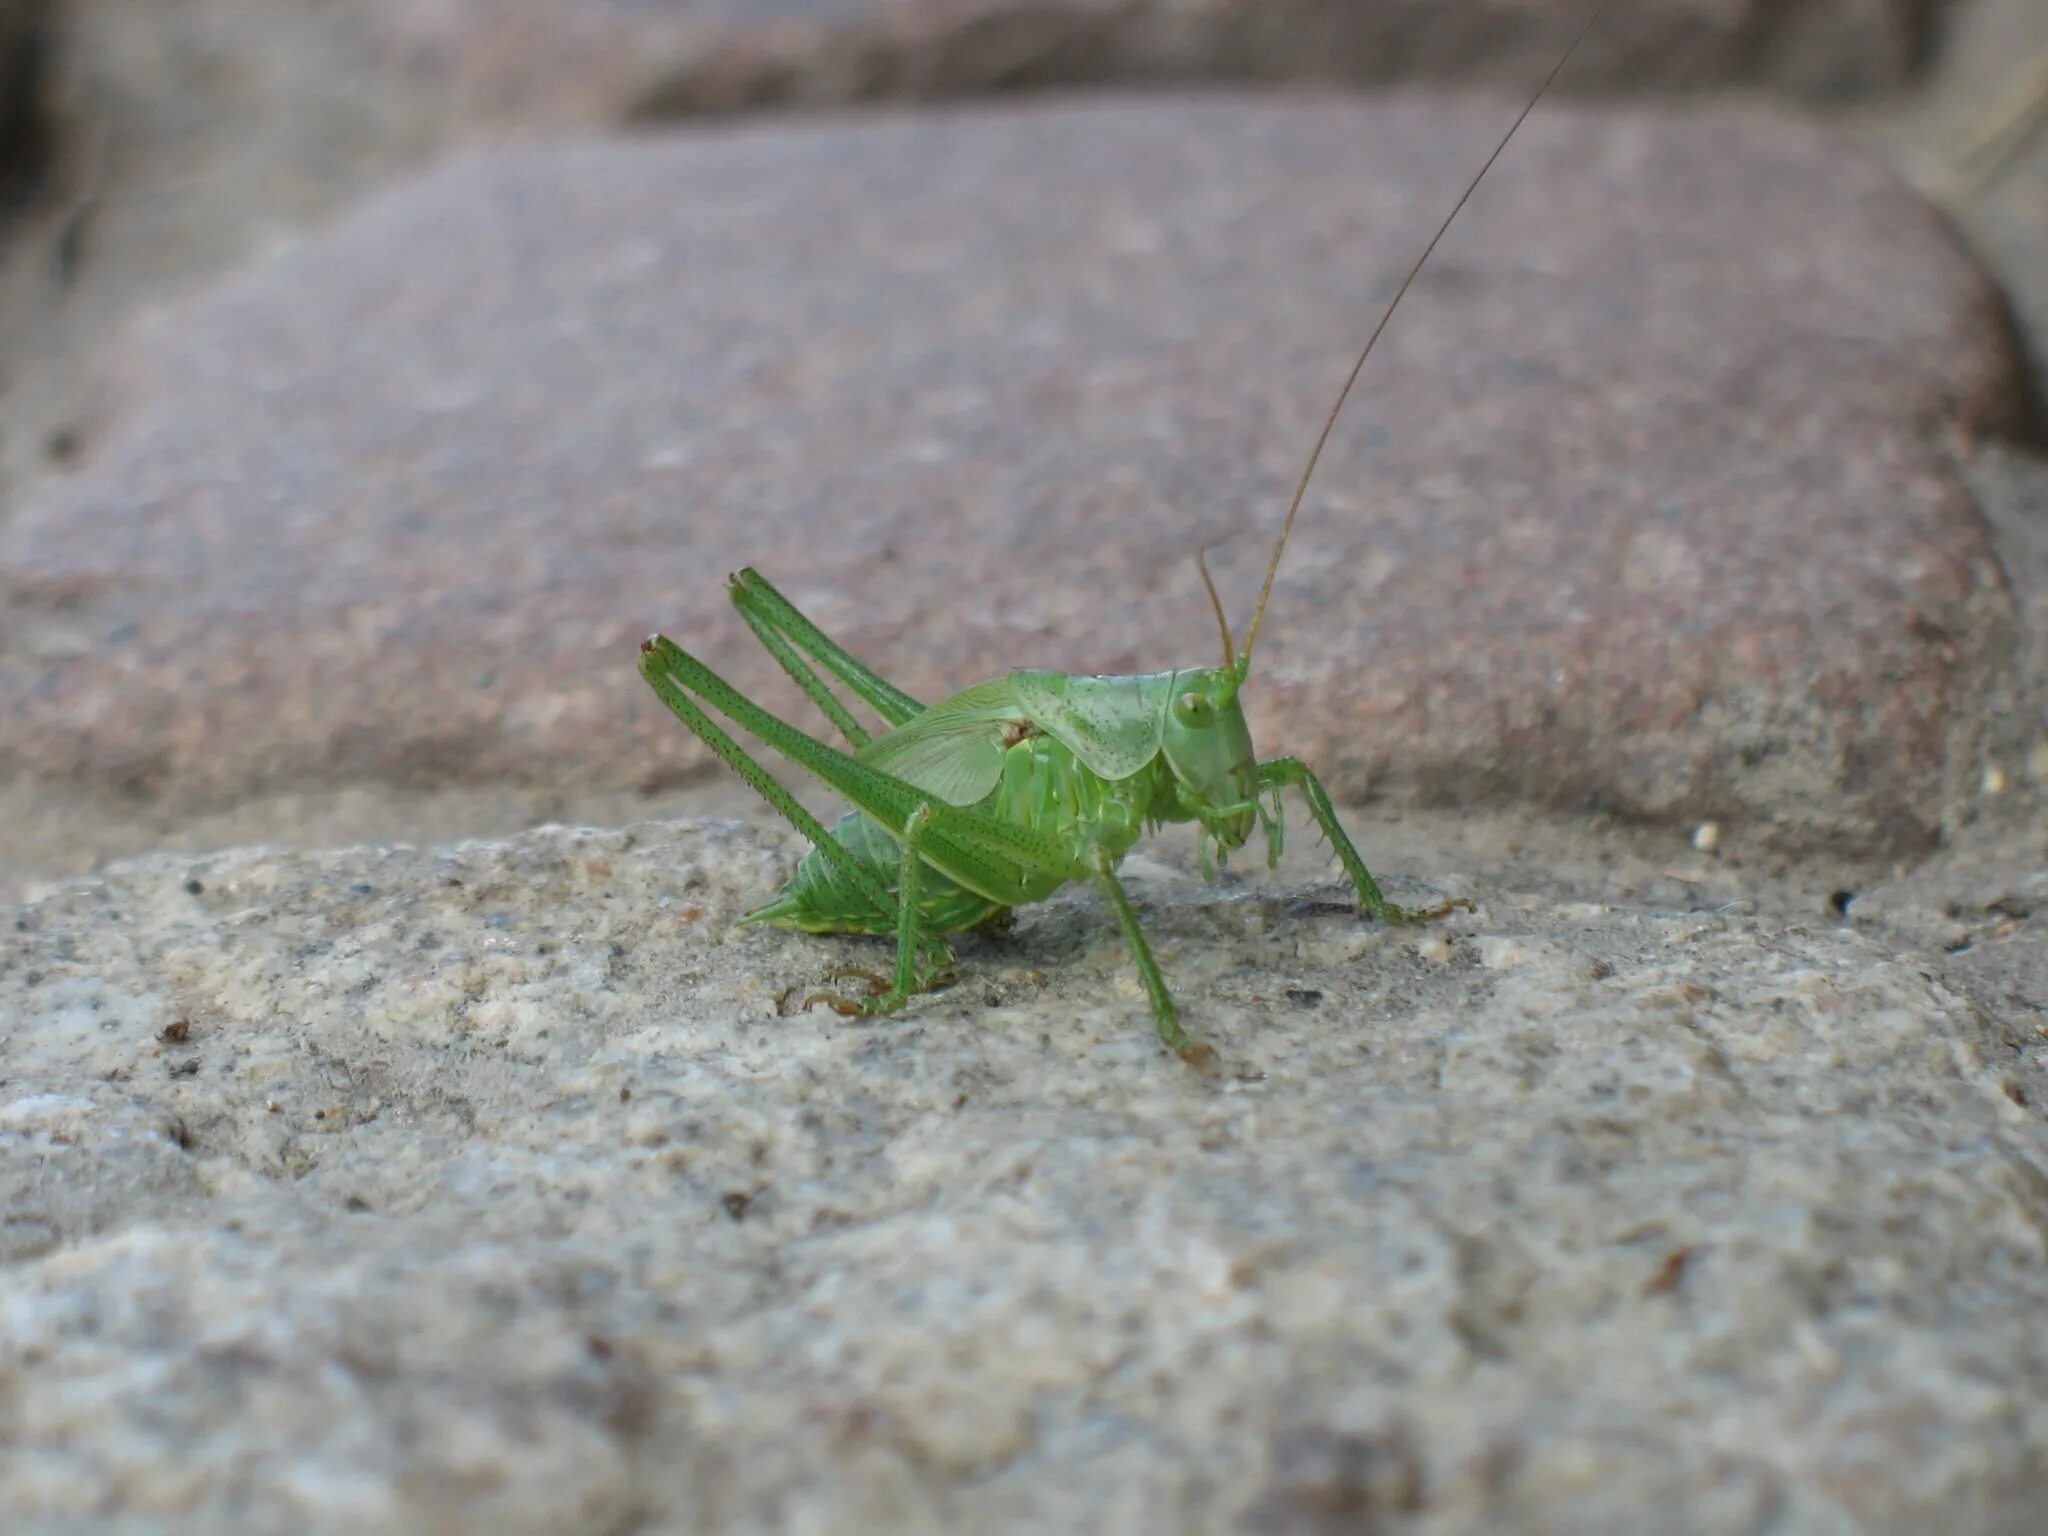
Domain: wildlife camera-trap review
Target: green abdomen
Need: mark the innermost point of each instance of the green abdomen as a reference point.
(1043, 787)
(818, 899)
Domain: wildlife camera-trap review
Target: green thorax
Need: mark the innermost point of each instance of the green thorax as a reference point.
(1083, 764)
(1042, 787)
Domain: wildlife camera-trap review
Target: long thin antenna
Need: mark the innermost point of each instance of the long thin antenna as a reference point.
(1223, 624)
(1329, 424)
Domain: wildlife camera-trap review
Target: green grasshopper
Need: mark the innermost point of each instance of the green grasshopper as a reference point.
(1012, 788)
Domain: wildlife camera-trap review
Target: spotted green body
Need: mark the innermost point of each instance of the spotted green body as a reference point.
(1040, 786)
(996, 797)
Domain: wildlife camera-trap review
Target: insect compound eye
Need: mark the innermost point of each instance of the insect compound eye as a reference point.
(1192, 709)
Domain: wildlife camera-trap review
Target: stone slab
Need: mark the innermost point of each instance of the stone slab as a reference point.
(1650, 502)
(484, 1189)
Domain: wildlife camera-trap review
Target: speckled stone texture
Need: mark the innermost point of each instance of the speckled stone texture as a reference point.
(485, 1190)
(1649, 501)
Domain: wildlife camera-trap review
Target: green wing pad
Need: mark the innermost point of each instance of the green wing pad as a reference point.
(1112, 724)
(954, 750)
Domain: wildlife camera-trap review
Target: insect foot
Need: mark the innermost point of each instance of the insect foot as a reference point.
(877, 983)
(842, 1005)
(845, 1007)
(851, 1007)
(1431, 914)
(882, 994)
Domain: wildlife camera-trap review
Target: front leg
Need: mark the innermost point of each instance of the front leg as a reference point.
(1282, 771)
(1165, 1016)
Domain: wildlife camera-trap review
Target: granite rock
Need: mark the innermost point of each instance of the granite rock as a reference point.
(486, 1188)
(145, 146)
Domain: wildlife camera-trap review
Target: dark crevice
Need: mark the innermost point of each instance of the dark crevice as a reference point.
(1808, 50)
(27, 121)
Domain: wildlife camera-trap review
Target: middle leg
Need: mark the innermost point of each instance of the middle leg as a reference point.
(914, 972)
(1164, 1014)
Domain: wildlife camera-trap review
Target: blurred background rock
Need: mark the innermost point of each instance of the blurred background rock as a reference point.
(154, 147)
(150, 143)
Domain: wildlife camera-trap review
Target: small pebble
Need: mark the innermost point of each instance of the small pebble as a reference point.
(1706, 837)
(1435, 948)
(1994, 780)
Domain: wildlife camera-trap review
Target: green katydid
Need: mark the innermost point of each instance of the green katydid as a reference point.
(1014, 787)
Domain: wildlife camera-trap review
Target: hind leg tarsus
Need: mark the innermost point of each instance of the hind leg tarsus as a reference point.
(1441, 909)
